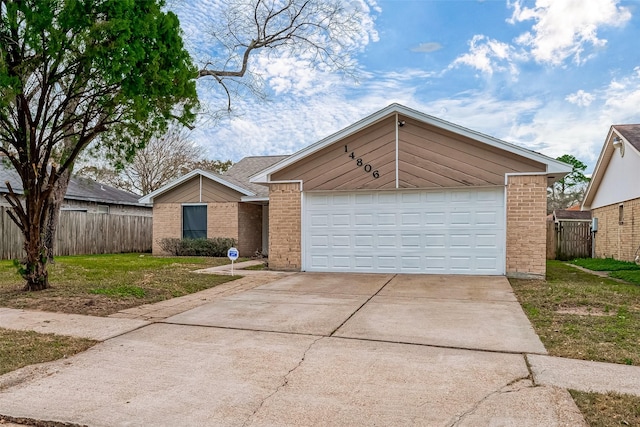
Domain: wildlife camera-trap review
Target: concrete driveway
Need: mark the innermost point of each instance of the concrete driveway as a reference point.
(312, 349)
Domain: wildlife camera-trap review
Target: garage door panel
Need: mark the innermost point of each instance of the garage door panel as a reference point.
(448, 231)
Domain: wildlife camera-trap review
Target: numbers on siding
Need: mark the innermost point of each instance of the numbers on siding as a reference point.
(361, 164)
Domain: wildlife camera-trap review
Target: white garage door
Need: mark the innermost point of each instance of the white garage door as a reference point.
(407, 231)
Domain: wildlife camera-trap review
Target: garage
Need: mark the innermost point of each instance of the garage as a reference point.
(401, 191)
(409, 231)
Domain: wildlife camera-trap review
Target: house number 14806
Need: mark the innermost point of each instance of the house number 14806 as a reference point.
(361, 164)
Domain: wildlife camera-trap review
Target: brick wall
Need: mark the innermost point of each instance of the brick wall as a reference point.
(249, 229)
(285, 250)
(615, 240)
(222, 220)
(526, 226)
(167, 223)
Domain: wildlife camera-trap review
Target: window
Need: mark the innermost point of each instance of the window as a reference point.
(103, 209)
(620, 213)
(194, 222)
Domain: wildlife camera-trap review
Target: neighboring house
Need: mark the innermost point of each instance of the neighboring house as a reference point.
(83, 195)
(613, 195)
(203, 204)
(397, 192)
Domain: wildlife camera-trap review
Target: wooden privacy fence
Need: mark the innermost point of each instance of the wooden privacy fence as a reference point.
(81, 233)
(568, 240)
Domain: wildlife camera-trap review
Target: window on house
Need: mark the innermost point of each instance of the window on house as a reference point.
(621, 213)
(194, 222)
(103, 209)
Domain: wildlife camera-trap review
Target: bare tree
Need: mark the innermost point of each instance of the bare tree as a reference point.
(322, 33)
(163, 159)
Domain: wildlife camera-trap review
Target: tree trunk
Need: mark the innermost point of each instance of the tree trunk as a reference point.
(53, 213)
(34, 269)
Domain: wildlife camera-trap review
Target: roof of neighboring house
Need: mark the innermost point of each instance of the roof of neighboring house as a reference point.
(83, 189)
(571, 215)
(555, 169)
(236, 178)
(630, 134)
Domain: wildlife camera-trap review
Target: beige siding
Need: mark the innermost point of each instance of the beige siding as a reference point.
(249, 229)
(430, 157)
(192, 192)
(216, 192)
(614, 239)
(526, 226)
(332, 169)
(285, 250)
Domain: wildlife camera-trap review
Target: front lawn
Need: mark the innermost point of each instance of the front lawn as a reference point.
(608, 410)
(22, 348)
(104, 284)
(583, 316)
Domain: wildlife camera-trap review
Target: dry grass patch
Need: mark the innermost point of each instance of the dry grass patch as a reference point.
(22, 348)
(583, 316)
(100, 285)
(608, 410)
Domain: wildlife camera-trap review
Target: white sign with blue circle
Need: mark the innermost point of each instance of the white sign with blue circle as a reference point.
(232, 253)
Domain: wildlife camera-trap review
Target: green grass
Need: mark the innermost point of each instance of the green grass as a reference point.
(608, 410)
(583, 316)
(605, 264)
(627, 276)
(104, 284)
(22, 348)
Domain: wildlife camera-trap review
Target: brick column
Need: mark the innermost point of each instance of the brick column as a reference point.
(285, 250)
(526, 226)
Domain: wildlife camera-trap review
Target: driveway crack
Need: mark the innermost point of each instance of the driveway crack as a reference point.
(510, 387)
(285, 381)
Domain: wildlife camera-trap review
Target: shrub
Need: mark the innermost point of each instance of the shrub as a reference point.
(215, 247)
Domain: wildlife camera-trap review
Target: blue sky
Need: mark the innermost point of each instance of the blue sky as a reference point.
(549, 75)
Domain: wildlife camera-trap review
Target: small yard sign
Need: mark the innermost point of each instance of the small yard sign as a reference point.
(232, 253)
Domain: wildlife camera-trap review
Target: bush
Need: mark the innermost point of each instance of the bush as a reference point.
(215, 247)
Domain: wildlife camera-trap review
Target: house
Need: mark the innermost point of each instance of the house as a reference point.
(207, 204)
(613, 195)
(83, 195)
(398, 191)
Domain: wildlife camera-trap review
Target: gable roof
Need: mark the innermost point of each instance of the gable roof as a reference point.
(553, 166)
(197, 172)
(236, 178)
(630, 135)
(83, 189)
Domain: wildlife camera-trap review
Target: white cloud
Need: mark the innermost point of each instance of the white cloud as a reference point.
(488, 56)
(580, 98)
(567, 28)
(427, 47)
